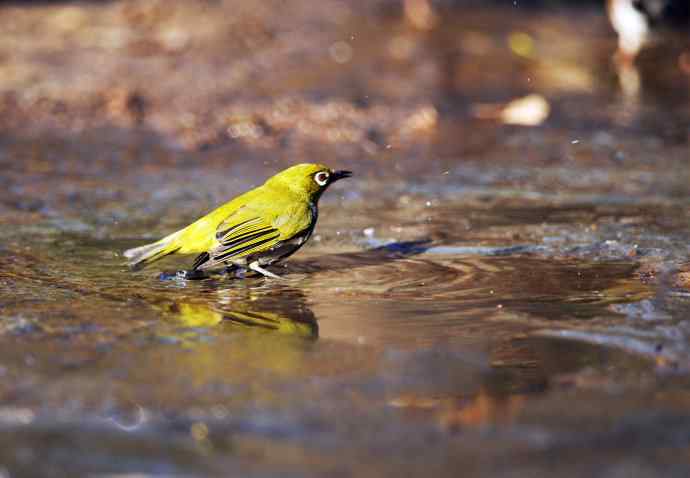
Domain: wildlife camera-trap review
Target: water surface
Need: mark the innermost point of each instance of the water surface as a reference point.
(501, 300)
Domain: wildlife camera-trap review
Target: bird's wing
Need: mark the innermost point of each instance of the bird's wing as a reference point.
(242, 233)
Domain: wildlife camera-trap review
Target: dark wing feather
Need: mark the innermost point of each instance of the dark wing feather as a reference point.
(239, 236)
(200, 260)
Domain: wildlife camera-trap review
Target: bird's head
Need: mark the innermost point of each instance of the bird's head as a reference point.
(307, 179)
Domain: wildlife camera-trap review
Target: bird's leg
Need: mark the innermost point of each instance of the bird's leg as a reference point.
(257, 268)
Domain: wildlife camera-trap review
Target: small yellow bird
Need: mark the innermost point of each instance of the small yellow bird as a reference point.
(257, 228)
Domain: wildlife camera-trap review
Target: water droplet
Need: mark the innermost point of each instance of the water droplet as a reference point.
(199, 431)
(341, 52)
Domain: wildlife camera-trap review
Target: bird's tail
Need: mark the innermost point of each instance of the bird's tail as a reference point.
(140, 257)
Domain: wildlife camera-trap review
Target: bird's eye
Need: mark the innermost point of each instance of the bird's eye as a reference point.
(321, 178)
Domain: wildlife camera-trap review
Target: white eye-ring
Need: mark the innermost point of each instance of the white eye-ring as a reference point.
(321, 178)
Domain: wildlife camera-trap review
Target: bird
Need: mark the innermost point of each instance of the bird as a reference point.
(256, 229)
(635, 22)
(630, 21)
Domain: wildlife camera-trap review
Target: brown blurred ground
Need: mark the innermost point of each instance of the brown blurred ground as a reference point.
(352, 74)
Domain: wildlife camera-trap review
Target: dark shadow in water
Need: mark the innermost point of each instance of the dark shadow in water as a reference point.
(349, 260)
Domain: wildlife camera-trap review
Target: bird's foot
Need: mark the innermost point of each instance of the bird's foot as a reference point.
(257, 268)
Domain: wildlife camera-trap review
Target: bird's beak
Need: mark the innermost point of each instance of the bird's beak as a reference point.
(335, 175)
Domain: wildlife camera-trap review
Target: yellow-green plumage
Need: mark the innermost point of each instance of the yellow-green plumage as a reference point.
(259, 227)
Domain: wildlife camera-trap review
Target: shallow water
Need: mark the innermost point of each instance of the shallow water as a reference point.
(501, 300)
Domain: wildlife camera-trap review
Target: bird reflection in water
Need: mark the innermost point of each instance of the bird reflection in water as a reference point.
(246, 309)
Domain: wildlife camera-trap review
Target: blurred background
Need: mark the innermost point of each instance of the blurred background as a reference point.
(357, 74)
(501, 288)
